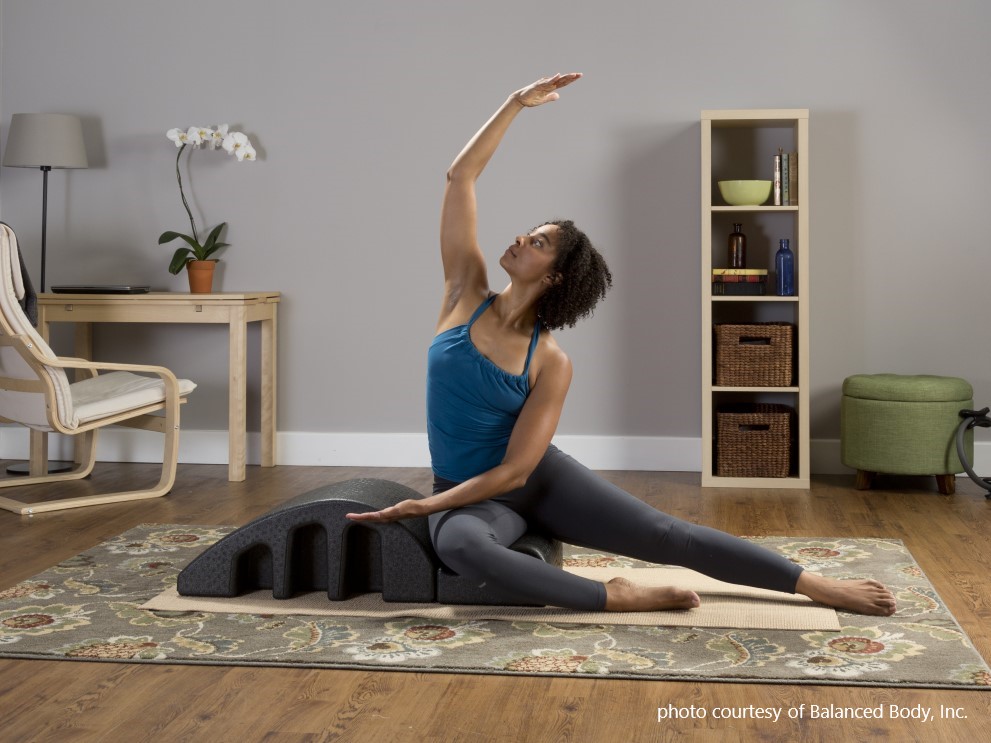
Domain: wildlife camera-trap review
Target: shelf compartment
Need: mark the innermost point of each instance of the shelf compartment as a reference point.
(764, 229)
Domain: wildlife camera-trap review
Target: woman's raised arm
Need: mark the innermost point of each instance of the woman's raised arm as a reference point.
(464, 264)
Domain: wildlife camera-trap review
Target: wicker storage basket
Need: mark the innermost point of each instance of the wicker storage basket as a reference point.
(753, 440)
(754, 354)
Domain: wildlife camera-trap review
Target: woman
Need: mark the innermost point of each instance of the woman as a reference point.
(496, 385)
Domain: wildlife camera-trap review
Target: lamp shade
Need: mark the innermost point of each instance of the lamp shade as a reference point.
(45, 140)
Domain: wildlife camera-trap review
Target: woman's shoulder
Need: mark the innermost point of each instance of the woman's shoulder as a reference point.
(550, 357)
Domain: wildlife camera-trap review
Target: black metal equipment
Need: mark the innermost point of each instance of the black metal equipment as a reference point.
(972, 418)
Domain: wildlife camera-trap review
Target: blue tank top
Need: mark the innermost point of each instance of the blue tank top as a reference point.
(472, 404)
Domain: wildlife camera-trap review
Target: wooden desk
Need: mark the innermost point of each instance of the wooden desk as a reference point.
(232, 309)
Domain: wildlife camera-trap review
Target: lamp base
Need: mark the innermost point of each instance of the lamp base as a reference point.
(53, 467)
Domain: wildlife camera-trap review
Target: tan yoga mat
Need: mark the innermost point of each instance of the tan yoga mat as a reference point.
(723, 605)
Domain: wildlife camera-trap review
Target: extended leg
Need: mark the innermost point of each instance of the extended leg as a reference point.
(573, 504)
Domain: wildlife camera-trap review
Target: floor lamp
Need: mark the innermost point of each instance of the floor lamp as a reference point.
(44, 141)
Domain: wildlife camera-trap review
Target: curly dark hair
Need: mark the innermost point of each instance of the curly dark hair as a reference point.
(585, 279)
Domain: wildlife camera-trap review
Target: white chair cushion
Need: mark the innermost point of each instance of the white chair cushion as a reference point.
(117, 392)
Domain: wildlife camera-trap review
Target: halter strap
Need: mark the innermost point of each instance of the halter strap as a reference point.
(481, 308)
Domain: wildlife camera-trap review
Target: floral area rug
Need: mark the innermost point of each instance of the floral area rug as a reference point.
(87, 608)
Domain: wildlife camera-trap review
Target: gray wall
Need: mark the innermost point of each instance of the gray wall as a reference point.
(357, 109)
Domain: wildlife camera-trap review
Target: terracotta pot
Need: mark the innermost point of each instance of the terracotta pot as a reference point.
(201, 276)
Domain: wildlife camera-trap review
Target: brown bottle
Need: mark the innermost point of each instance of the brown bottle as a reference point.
(737, 248)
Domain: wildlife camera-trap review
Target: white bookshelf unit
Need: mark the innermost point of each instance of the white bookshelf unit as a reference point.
(741, 144)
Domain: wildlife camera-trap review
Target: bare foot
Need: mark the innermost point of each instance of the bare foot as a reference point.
(624, 595)
(859, 596)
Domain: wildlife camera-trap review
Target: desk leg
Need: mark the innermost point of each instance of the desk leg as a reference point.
(269, 352)
(84, 343)
(237, 422)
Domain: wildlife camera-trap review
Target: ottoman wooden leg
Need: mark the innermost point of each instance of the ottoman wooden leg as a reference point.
(864, 480)
(947, 484)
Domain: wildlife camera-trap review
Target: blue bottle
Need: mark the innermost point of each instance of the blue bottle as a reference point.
(784, 267)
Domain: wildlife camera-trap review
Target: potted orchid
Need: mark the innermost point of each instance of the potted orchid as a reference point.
(195, 256)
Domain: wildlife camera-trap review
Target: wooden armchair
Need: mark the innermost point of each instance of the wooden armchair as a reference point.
(35, 392)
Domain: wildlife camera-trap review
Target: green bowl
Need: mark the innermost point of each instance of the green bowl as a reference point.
(745, 193)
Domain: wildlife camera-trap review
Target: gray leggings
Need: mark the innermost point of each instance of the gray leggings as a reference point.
(569, 502)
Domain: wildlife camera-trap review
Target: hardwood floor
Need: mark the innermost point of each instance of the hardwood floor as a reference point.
(64, 701)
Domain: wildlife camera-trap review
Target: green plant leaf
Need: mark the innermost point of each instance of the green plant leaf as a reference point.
(179, 259)
(207, 252)
(170, 236)
(213, 237)
(211, 245)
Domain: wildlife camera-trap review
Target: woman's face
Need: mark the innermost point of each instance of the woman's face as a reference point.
(531, 257)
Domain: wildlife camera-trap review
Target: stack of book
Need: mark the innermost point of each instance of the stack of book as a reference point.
(739, 282)
(786, 178)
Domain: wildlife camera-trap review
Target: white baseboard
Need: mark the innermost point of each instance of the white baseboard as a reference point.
(648, 453)
(358, 449)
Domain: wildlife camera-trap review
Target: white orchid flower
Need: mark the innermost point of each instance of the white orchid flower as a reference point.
(217, 138)
(205, 134)
(193, 136)
(177, 135)
(237, 144)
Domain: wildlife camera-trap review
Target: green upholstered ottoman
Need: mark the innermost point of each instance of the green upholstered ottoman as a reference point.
(904, 425)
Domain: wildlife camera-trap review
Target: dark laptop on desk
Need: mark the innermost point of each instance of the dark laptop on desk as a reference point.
(100, 289)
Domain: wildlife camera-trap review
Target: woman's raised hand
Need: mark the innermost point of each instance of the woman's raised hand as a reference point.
(545, 89)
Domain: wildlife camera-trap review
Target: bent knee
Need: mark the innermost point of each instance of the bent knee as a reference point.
(464, 554)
